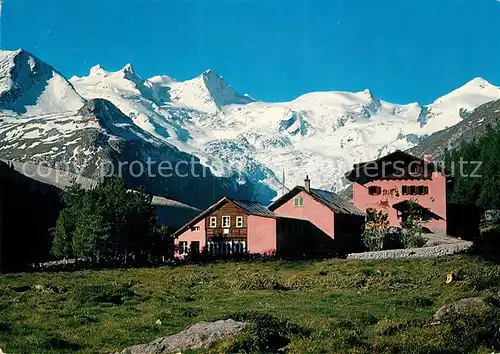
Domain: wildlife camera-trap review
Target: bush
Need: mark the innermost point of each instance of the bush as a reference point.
(374, 236)
(413, 238)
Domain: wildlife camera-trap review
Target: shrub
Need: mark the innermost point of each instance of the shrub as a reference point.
(412, 224)
(413, 238)
(376, 230)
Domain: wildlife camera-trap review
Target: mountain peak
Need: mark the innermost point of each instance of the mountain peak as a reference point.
(367, 92)
(29, 85)
(477, 87)
(478, 82)
(97, 70)
(210, 76)
(128, 68)
(209, 72)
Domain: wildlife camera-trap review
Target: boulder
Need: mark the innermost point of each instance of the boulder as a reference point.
(197, 336)
(461, 306)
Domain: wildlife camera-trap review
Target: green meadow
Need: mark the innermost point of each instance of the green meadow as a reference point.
(330, 306)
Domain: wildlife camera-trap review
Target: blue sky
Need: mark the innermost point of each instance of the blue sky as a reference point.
(402, 50)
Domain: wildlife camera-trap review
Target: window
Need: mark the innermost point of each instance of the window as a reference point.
(239, 221)
(374, 190)
(413, 190)
(228, 247)
(183, 245)
(213, 221)
(226, 221)
(195, 228)
(299, 201)
(422, 190)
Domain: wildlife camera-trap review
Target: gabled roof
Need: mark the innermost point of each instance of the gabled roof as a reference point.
(253, 208)
(397, 154)
(329, 199)
(250, 207)
(358, 173)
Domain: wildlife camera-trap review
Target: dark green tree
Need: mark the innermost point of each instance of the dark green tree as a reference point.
(478, 180)
(107, 224)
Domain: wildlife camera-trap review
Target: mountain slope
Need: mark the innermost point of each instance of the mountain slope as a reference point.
(98, 139)
(472, 126)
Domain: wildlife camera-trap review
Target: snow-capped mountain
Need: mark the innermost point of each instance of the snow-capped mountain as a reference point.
(321, 134)
(28, 85)
(92, 137)
(246, 143)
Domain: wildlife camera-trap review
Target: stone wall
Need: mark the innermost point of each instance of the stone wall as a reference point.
(411, 253)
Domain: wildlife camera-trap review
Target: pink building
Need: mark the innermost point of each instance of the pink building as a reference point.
(331, 222)
(390, 182)
(229, 227)
(304, 221)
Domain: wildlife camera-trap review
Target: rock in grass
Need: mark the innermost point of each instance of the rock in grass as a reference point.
(194, 337)
(460, 307)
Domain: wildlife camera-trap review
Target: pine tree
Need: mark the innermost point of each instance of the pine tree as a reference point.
(107, 224)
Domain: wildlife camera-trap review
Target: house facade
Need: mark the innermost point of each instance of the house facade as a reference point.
(389, 183)
(302, 222)
(229, 227)
(330, 221)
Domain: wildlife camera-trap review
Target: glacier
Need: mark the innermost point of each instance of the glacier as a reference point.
(320, 133)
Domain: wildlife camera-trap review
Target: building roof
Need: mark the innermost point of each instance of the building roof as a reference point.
(172, 213)
(330, 199)
(405, 205)
(335, 202)
(385, 170)
(253, 208)
(250, 207)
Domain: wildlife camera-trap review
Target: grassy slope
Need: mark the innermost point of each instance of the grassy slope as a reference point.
(346, 305)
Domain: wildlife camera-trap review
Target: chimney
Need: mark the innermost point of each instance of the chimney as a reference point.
(307, 183)
(428, 158)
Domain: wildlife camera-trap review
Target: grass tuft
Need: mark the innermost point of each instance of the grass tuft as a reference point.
(109, 293)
